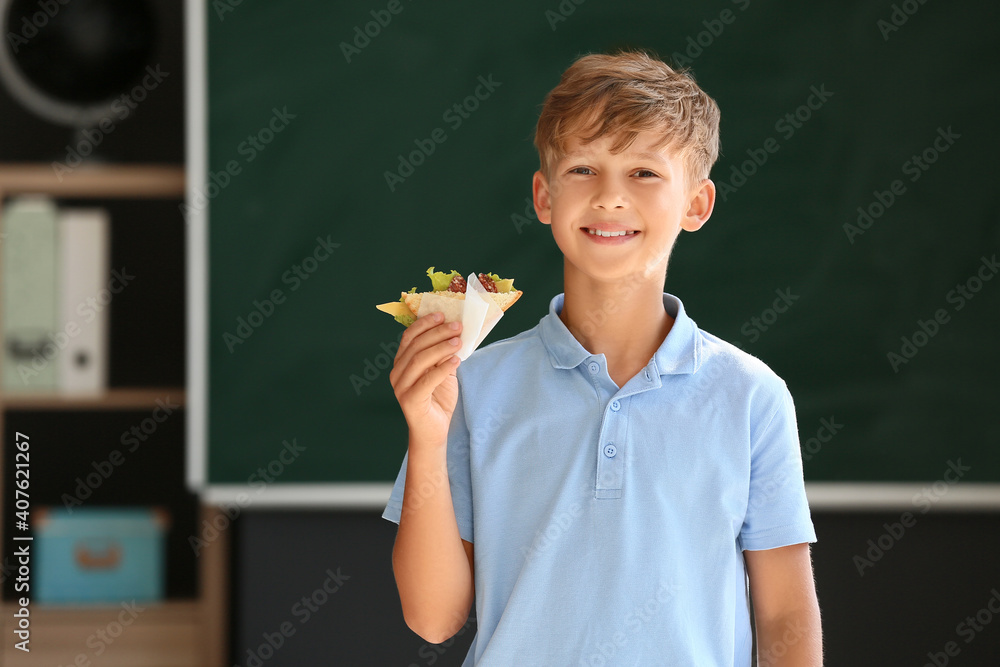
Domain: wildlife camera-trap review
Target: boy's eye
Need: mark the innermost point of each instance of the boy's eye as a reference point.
(580, 170)
(645, 173)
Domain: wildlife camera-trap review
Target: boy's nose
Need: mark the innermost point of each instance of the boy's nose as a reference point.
(610, 195)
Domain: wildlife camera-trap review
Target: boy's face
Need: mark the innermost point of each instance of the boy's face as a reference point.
(615, 216)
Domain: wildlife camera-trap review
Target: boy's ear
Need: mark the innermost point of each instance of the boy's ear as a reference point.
(701, 206)
(542, 198)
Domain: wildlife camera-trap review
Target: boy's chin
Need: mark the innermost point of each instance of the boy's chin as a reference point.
(639, 264)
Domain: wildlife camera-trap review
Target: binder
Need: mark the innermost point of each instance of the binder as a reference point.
(30, 353)
(84, 299)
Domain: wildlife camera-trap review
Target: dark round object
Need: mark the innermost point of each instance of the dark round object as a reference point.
(84, 51)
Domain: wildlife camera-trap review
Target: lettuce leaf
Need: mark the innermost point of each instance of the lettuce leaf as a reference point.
(406, 319)
(440, 280)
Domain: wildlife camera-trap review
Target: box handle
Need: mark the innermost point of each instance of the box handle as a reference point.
(108, 559)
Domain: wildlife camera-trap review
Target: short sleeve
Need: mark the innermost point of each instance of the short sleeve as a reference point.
(777, 509)
(459, 474)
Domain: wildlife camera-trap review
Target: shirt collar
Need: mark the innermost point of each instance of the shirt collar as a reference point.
(679, 353)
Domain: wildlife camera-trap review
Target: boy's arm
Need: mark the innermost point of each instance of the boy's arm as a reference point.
(432, 564)
(786, 612)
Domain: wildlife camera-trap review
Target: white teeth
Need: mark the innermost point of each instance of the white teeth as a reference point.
(597, 232)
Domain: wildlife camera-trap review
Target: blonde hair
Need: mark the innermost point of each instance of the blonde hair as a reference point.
(621, 95)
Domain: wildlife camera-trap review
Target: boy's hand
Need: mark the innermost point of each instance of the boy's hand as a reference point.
(423, 376)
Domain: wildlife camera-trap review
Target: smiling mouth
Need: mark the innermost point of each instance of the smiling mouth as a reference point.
(597, 232)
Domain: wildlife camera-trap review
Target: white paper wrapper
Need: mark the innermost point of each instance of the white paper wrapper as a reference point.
(477, 313)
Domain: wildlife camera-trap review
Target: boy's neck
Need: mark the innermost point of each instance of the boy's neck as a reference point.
(625, 321)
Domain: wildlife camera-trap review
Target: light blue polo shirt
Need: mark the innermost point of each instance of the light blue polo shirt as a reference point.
(609, 523)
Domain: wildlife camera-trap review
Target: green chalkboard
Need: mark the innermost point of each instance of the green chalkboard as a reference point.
(824, 106)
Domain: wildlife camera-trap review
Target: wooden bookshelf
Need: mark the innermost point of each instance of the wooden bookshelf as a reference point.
(172, 633)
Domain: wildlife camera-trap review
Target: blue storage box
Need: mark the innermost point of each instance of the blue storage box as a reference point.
(99, 554)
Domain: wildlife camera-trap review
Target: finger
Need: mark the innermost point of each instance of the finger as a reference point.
(424, 387)
(422, 362)
(422, 341)
(418, 361)
(419, 326)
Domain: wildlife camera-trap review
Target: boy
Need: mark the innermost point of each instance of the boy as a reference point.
(620, 472)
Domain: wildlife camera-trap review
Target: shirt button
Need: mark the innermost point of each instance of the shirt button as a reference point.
(616, 406)
(610, 451)
(594, 367)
